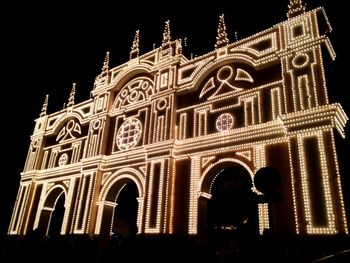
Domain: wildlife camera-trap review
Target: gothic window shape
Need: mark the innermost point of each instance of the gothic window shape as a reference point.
(129, 134)
(137, 90)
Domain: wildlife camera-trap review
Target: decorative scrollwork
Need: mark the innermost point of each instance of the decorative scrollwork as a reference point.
(137, 90)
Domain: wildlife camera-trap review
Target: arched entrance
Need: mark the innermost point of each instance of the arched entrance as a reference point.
(52, 213)
(125, 212)
(232, 206)
(120, 204)
(228, 204)
(56, 220)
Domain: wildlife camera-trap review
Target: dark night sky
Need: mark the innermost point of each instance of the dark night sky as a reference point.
(50, 44)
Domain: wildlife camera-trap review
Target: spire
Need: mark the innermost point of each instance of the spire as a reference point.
(71, 96)
(295, 7)
(134, 53)
(105, 67)
(44, 108)
(221, 39)
(166, 35)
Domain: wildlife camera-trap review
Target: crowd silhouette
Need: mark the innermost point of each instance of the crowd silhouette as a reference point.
(217, 246)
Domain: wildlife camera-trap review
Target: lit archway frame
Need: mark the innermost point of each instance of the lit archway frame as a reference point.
(201, 186)
(48, 206)
(212, 171)
(109, 194)
(137, 90)
(201, 73)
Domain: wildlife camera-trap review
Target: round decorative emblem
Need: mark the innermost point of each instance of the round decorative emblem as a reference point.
(300, 60)
(97, 124)
(224, 122)
(129, 134)
(63, 159)
(161, 104)
(35, 143)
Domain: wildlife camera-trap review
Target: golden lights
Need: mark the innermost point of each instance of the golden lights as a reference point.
(139, 126)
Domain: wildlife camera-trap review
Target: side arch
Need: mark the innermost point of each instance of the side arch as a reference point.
(48, 207)
(111, 188)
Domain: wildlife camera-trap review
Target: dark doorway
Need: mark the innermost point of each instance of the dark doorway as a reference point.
(57, 217)
(125, 213)
(232, 207)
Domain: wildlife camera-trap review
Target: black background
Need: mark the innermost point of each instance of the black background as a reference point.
(48, 45)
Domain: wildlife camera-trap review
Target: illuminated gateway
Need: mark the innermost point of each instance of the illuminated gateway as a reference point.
(163, 137)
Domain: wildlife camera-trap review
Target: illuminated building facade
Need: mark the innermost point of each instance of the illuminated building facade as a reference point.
(169, 126)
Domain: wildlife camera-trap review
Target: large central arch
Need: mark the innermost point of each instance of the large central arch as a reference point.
(232, 206)
(110, 191)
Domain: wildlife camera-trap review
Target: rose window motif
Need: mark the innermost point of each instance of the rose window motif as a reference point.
(224, 122)
(129, 134)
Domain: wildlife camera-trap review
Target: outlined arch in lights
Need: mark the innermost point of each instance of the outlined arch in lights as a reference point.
(212, 171)
(64, 119)
(45, 213)
(128, 74)
(109, 194)
(125, 173)
(198, 213)
(209, 68)
(57, 190)
(135, 91)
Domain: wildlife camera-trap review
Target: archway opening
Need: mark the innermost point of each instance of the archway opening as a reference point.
(125, 212)
(56, 220)
(232, 208)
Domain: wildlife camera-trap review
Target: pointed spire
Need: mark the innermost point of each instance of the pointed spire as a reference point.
(295, 7)
(44, 108)
(105, 67)
(71, 96)
(134, 53)
(221, 39)
(166, 35)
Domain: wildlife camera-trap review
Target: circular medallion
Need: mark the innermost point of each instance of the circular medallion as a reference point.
(161, 104)
(63, 159)
(300, 60)
(97, 124)
(129, 134)
(224, 122)
(35, 143)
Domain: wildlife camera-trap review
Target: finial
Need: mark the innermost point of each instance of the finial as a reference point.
(178, 50)
(71, 96)
(44, 108)
(221, 39)
(236, 35)
(295, 7)
(105, 67)
(166, 34)
(185, 41)
(134, 53)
